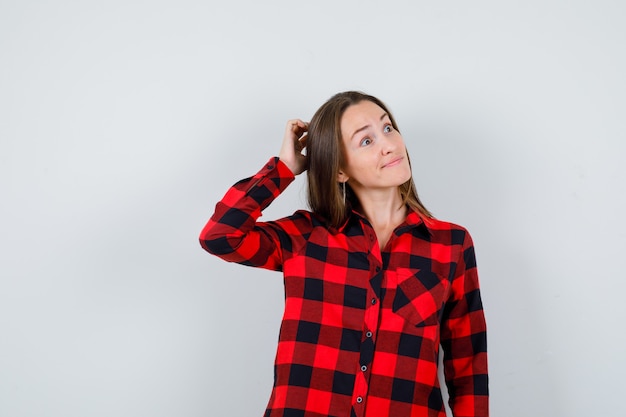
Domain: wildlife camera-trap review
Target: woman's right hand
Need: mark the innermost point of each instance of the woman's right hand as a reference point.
(294, 143)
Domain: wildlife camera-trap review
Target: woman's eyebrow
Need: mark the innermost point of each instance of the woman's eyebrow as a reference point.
(366, 126)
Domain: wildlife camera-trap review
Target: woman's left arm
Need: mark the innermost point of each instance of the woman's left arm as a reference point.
(464, 340)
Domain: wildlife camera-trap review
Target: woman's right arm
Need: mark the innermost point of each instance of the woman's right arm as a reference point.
(233, 232)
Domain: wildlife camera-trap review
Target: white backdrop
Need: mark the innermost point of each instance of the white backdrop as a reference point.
(123, 122)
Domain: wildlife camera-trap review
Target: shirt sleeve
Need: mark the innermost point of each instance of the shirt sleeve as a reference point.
(464, 340)
(233, 233)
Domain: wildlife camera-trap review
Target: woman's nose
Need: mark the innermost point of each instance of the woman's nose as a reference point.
(388, 145)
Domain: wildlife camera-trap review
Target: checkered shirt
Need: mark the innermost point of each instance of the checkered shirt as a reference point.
(361, 329)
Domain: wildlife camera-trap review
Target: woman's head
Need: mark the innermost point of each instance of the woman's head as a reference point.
(327, 157)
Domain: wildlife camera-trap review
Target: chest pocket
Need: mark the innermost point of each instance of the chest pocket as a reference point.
(420, 296)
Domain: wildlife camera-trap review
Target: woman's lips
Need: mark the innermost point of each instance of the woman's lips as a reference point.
(393, 162)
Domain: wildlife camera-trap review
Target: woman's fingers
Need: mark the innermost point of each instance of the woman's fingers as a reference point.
(302, 144)
(293, 148)
(298, 127)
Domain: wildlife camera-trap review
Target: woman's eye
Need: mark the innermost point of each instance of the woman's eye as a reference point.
(388, 128)
(365, 141)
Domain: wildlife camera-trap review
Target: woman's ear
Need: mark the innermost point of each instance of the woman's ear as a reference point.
(342, 177)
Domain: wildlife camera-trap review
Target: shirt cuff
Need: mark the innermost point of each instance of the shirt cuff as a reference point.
(282, 170)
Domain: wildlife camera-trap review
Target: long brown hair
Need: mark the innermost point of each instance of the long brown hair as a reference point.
(325, 158)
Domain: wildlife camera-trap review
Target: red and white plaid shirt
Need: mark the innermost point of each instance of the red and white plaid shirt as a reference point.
(362, 326)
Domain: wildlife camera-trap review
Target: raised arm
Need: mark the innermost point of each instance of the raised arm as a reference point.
(233, 232)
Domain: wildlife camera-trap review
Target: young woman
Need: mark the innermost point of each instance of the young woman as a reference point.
(374, 284)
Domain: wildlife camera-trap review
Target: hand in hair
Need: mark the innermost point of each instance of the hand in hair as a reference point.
(292, 151)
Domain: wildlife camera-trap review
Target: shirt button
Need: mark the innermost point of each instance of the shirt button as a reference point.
(363, 368)
(373, 301)
(270, 166)
(368, 334)
(378, 269)
(359, 400)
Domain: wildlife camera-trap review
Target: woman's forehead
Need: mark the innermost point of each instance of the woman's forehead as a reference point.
(361, 115)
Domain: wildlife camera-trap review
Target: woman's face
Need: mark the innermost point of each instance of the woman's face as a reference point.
(375, 155)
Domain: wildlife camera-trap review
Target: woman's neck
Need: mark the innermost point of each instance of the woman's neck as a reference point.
(385, 212)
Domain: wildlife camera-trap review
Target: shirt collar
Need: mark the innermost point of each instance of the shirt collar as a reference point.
(415, 220)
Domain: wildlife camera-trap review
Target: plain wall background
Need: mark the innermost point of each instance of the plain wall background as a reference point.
(123, 122)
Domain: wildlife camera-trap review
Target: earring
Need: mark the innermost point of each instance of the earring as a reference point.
(344, 192)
